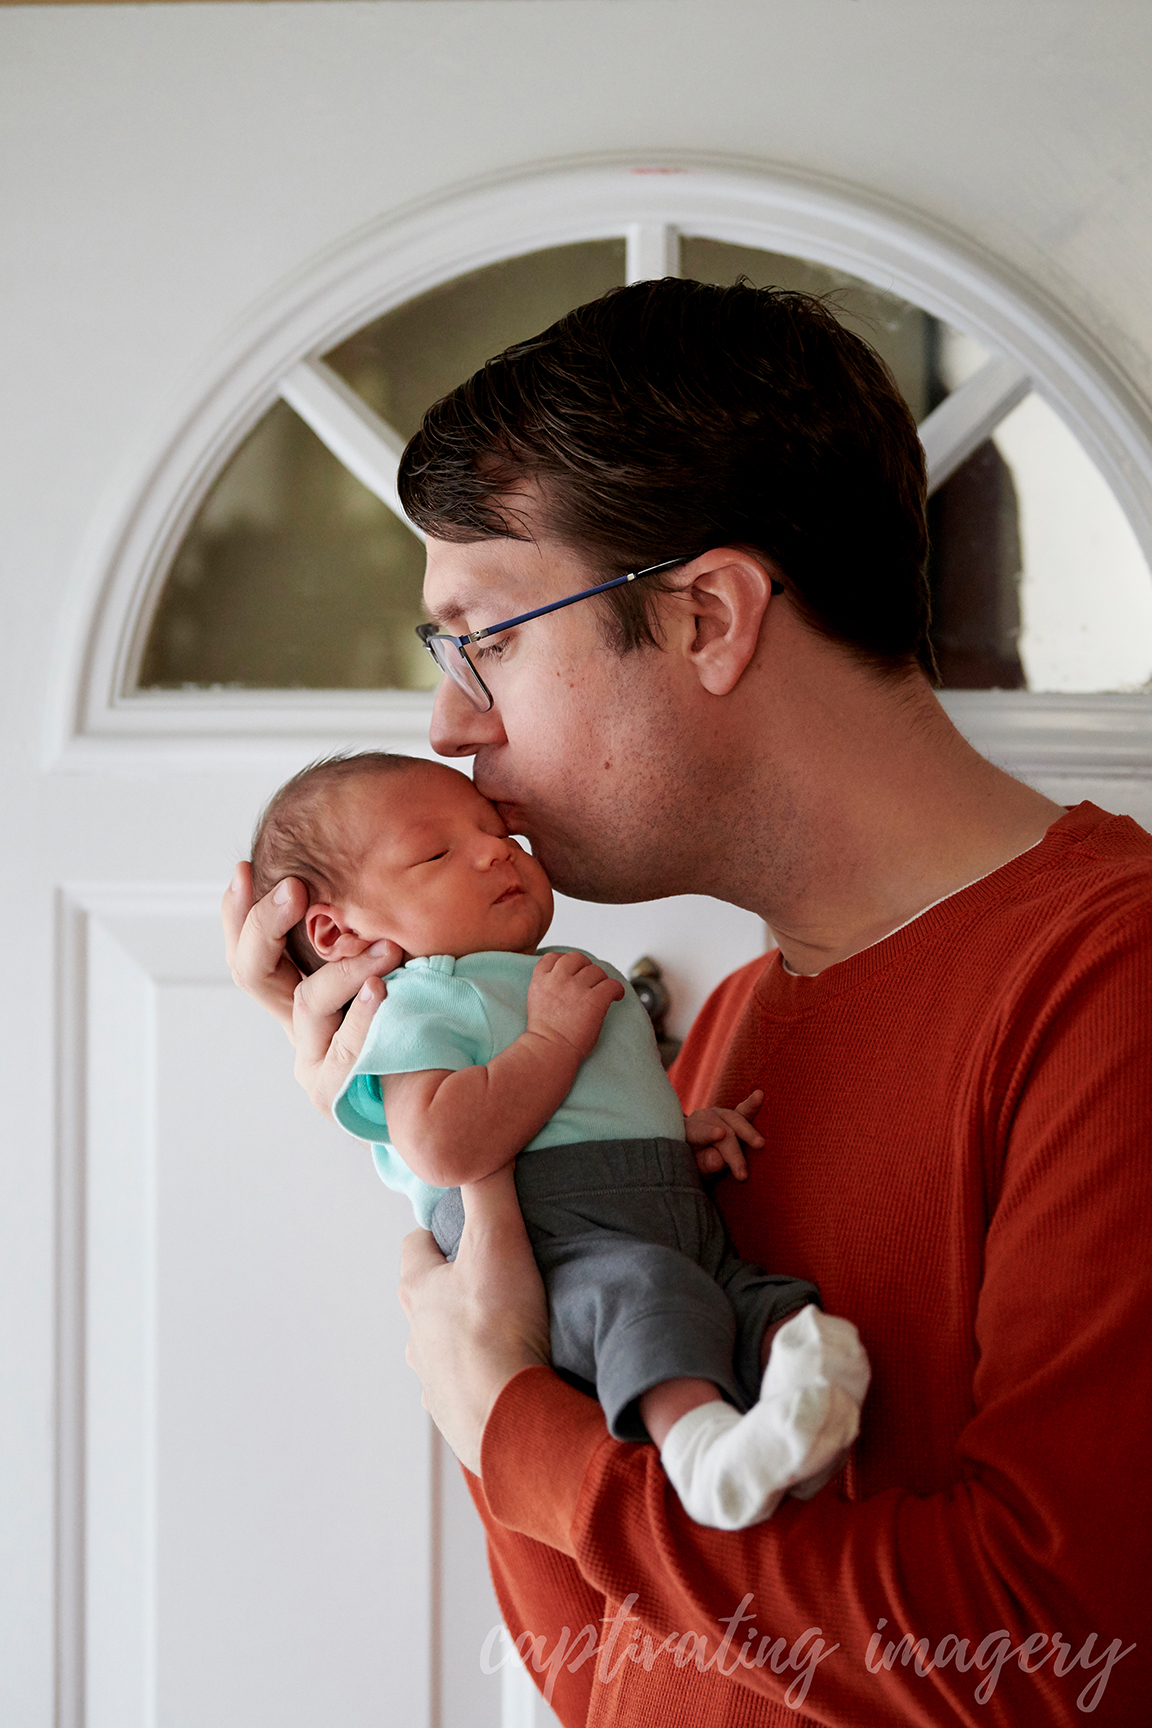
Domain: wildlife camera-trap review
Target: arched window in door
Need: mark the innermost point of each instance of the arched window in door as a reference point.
(253, 596)
(298, 571)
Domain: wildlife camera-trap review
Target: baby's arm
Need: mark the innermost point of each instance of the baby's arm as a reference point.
(456, 1126)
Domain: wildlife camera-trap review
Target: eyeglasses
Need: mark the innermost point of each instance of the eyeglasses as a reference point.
(449, 651)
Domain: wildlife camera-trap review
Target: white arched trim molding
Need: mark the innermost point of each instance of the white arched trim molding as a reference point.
(97, 718)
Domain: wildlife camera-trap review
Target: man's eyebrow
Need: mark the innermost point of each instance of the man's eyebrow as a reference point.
(461, 606)
(450, 610)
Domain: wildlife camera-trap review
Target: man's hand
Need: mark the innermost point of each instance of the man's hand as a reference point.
(568, 998)
(717, 1134)
(327, 1041)
(477, 1321)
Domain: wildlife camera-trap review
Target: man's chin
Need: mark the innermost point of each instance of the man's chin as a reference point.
(571, 874)
(582, 879)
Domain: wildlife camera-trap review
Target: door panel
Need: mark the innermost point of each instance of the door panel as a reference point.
(259, 1495)
(272, 1535)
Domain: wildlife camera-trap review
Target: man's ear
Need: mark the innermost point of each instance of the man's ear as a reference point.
(728, 599)
(331, 935)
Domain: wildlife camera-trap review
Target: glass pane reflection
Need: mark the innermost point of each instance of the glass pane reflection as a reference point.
(1038, 581)
(409, 358)
(293, 575)
(906, 337)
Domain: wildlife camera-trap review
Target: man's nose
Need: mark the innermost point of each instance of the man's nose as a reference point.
(457, 728)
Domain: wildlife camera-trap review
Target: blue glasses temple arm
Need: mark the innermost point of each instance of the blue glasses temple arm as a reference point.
(570, 599)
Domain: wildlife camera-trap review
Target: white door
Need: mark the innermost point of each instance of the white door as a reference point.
(223, 1502)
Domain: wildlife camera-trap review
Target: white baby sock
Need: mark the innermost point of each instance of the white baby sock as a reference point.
(731, 1471)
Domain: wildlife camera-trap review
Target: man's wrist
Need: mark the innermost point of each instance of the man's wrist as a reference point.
(538, 1440)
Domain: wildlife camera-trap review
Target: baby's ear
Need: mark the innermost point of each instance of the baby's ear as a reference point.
(330, 935)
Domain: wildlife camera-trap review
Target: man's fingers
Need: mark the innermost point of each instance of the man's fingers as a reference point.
(749, 1106)
(235, 907)
(326, 991)
(348, 1038)
(419, 1255)
(269, 921)
(492, 1217)
(354, 1026)
(257, 958)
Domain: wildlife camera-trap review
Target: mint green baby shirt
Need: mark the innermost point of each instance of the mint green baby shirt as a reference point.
(447, 1013)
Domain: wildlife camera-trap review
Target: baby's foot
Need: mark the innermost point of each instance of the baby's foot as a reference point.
(814, 1346)
(731, 1471)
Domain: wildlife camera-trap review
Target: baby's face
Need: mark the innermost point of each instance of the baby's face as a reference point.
(439, 872)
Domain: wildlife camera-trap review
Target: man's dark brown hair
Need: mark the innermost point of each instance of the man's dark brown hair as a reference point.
(671, 417)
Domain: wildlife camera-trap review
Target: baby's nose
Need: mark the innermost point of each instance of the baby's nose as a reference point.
(495, 851)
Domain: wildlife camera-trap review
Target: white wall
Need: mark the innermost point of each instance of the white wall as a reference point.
(164, 167)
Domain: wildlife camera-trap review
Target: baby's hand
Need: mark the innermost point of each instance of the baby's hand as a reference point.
(717, 1134)
(568, 998)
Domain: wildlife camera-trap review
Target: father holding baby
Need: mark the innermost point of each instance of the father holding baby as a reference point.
(951, 1039)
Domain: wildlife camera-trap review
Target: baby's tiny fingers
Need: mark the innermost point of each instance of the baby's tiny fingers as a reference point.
(740, 1127)
(736, 1162)
(698, 1131)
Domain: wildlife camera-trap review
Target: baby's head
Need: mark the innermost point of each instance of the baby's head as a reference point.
(398, 848)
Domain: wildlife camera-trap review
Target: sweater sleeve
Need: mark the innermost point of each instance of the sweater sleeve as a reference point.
(554, 1615)
(1014, 1594)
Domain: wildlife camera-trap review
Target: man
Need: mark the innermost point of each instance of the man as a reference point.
(951, 1037)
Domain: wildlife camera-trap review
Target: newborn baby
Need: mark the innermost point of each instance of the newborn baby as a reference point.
(489, 1049)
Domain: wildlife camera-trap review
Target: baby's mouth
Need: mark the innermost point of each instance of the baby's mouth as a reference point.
(509, 894)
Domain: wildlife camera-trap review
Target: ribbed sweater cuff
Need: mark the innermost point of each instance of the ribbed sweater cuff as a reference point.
(538, 1442)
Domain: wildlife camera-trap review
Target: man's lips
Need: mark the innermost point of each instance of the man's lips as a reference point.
(509, 810)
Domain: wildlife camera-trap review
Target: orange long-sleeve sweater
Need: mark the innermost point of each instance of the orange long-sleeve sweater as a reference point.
(958, 1126)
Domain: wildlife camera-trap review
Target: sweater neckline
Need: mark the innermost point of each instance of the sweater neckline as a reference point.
(924, 910)
(804, 990)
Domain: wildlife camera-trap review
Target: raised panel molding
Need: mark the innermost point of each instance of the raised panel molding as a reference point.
(151, 1274)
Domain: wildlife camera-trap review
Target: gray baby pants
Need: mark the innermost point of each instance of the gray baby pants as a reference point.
(643, 1284)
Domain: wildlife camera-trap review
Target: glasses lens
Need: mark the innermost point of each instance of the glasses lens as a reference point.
(459, 668)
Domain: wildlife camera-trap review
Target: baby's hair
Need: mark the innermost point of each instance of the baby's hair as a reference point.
(296, 836)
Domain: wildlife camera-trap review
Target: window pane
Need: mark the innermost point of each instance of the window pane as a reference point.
(905, 336)
(1037, 580)
(1085, 588)
(293, 574)
(412, 356)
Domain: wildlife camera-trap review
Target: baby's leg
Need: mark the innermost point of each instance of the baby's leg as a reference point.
(731, 1471)
(663, 1406)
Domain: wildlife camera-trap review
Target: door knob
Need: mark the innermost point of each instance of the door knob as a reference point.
(647, 979)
